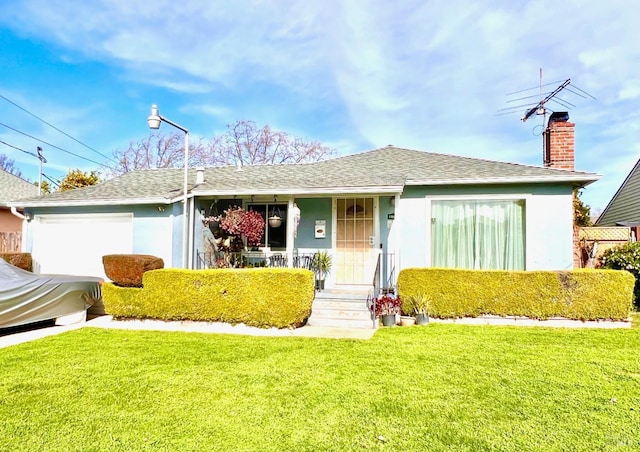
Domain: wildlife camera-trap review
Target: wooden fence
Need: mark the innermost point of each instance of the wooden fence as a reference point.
(10, 242)
(589, 243)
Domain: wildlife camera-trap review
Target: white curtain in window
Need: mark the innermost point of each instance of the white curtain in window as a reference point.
(478, 234)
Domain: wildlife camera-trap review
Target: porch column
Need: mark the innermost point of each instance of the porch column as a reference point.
(290, 238)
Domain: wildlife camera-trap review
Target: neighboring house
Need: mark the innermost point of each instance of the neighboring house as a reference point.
(414, 208)
(12, 188)
(624, 207)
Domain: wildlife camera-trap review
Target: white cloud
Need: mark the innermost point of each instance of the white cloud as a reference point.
(428, 75)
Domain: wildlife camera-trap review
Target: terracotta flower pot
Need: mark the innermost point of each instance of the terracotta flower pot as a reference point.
(407, 321)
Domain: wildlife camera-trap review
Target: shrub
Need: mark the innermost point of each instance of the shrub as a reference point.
(579, 294)
(270, 297)
(625, 257)
(20, 260)
(126, 270)
(386, 305)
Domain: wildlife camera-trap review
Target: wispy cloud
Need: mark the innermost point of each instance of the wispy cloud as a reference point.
(426, 75)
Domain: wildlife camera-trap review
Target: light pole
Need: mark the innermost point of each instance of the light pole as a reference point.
(154, 121)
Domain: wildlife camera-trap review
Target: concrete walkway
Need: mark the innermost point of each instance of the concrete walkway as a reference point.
(106, 321)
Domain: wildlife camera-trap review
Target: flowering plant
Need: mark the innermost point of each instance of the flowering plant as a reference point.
(386, 305)
(238, 221)
(252, 227)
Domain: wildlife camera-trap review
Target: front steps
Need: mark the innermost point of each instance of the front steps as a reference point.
(338, 308)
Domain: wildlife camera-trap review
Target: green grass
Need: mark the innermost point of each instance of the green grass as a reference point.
(441, 387)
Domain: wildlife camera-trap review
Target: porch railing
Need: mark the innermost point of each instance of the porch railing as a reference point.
(211, 259)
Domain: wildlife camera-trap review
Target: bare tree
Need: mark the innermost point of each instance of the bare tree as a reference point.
(156, 151)
(245, 143)
(8, 165)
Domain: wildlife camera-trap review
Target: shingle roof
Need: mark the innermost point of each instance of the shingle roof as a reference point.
(384, 170)
(13, 188)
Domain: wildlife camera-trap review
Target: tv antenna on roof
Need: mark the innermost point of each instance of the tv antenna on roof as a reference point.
(541, 108)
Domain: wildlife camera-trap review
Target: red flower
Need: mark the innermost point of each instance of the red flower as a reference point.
(386, 305)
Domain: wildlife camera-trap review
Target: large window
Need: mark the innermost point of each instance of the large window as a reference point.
(478, 234)
(275, 233)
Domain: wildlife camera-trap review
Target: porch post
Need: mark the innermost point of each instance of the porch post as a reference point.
(290, 238)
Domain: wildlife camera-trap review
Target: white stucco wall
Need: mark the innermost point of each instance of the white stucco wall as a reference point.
(548, 216)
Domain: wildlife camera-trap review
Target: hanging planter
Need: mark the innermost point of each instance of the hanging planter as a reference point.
(275, 221)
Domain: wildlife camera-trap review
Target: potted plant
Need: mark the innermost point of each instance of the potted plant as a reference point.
(321, 265)
(419, 304)
(386, 306)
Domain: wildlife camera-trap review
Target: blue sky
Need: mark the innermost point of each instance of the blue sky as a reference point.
(355, 75)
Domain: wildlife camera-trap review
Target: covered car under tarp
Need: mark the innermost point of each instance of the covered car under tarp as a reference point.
(26, 297)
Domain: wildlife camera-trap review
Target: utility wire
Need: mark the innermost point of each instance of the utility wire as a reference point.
(52, 180)
(56, 147)
(54, 127)
(16, 147)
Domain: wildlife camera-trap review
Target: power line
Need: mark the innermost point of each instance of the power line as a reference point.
(17, 148)
(54, 127)
(56, 147)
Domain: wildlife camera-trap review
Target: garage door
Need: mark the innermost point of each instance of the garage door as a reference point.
(75, 244)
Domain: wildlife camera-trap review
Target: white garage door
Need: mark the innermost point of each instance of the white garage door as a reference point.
(75, 244)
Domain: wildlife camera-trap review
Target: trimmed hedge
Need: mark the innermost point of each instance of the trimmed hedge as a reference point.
(20, 260)
(262, 297)
(126, 270)
(579, 294)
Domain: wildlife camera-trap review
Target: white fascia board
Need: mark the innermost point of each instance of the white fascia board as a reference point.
(391, 189)
(92, 202)
(587, 179)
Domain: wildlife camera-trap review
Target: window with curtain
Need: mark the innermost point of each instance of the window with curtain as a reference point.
(478, 234)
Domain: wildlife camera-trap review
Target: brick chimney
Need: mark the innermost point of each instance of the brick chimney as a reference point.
(559, 142)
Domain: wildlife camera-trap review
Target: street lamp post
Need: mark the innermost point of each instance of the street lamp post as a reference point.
(154, 121)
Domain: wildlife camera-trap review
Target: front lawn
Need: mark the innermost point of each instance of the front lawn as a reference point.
(441, 387)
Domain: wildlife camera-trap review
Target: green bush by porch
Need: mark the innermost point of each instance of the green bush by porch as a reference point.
(577, 294)
(278, 297)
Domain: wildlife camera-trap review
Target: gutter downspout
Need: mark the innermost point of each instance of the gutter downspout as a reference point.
(15, 212)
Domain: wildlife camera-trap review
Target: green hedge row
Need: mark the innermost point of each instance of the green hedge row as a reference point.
(578, 294)
(261, 297)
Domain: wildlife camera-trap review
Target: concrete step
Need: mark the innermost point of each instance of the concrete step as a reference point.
(335, 294)
(339, 323)
(341, 309)
(336, 303)
(341, 313)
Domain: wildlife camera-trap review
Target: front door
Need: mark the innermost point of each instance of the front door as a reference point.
(356, 253)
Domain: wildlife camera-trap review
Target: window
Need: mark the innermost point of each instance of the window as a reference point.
(478, 234)
(275, 235)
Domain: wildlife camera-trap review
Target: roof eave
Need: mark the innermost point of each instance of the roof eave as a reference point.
(391, 189)
(573, 179)
(91, 202)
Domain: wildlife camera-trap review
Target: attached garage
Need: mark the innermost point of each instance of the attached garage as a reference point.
(74, 244)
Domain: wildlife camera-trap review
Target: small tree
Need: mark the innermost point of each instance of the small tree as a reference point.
(45, 188)
(581, 212)
(78, 179)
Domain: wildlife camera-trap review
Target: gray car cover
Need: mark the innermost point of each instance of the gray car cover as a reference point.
(26, 297)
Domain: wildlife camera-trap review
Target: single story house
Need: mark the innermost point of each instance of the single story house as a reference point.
(624, 207)
(408, 208)
(11, 220)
